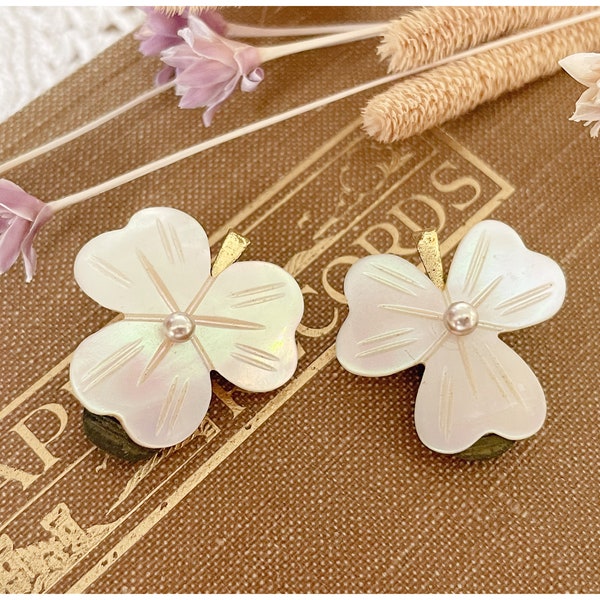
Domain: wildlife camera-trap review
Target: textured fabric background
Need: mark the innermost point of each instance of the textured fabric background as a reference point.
(322, 486)
(40, 45)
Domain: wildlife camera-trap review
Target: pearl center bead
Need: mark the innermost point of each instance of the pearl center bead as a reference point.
(178, 327)
(461, 318)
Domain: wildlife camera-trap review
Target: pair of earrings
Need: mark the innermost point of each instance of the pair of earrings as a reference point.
(183, 319)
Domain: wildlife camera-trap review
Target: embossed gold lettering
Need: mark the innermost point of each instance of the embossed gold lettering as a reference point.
(456, 184)
(391, 231)
(315, 332)
(331, 291)
(438, 213)
(38, 446)
(388, 228)
(13, 474)
(15, 577)
(227, 399)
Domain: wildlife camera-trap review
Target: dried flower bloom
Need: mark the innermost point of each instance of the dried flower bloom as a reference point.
(21, 217)
(160, 31)
(209, 66)
(584, 67)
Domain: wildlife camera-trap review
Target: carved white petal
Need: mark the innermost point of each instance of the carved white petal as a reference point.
(159, 392)
(156, 264)
(510, 286)
(246, 323)
(476, 385)
(395, 316)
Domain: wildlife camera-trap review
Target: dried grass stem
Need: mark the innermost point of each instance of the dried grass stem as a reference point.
(423, 101)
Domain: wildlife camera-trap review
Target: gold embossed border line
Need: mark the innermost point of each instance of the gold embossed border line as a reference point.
(349, 198)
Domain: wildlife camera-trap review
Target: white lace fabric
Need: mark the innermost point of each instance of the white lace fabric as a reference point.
(40, 46)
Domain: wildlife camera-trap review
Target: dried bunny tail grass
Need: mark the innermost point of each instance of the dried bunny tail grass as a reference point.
(428, 34)
(423, 101)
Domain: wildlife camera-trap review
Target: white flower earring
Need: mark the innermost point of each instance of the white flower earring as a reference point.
(473, 384)
(151, 370)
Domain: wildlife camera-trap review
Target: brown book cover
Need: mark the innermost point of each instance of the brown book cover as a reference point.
(322, 485)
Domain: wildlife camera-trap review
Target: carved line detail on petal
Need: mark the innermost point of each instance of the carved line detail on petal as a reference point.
(388, 282)
(506, 379)
(162, 233)
(158, 283)
(429, 351)
(176, 242)
(491, 326)
(257, 352)
(520, 301)
(476, 264)
(462, 348)
(385, 336)
(109, 270)
(386, 347)
(200, 320)
(494, 375)
(170, 241)
(145, 318)
(195, 303)
(155, 360)
(110, 364)
(258, 300)
(166, 404)
(251, 357)
(202, 352)
(399, 275)
(257, 290)
(226, 323)
(486, 291)
(446, 404)
(394, 273)
(409, 310)
(177, 409)
(172, 405)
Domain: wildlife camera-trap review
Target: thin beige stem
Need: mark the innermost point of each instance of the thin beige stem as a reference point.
(258, 125)
(68, 137)
(250, 31)
(271, 53)
(212, 143)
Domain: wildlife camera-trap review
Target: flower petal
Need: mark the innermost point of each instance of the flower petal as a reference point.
(156, 264)
(475, 385)
(29, 254)
(205, 74)
(196, 97)
(164, 75)
(395, 316)
(510, 286)
(247, 323)
(250, 82)
(584, 67)
(16, 201)
(160, 395)
(586, 110)
(10, 243)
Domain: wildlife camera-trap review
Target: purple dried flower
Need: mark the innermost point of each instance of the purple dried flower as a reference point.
(209, 66)
(160, 31)
(21, 217)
